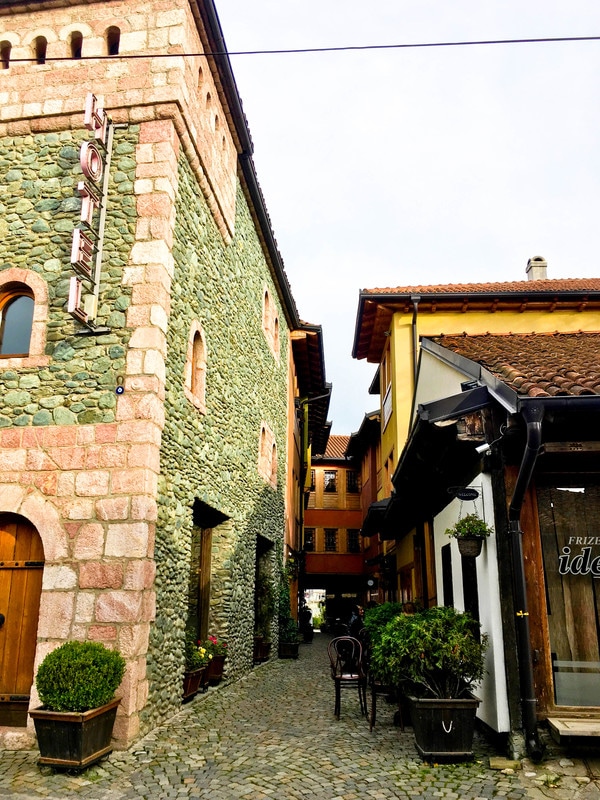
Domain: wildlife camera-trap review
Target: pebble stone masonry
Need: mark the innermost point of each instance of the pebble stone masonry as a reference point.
(272, 736)
(110, 480)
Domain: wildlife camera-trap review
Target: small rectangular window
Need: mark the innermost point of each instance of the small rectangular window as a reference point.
(353, 540)
(312, 480)
(309, 540)
(331, 480)
(331, 540)
(352, 481)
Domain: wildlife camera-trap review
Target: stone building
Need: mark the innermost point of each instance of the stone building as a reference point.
(147, 378)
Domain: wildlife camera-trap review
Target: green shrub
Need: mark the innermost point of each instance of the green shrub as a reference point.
(435, 653)
(288, 628)
(78, 676)
(378, 617)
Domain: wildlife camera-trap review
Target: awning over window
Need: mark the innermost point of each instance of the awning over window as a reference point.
(434, 458)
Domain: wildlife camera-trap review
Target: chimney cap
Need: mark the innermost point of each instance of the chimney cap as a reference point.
(536, 268)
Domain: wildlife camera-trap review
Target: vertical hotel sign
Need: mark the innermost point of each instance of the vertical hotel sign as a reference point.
(86, 248)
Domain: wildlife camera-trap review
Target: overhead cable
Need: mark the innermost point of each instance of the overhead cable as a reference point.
(345, 48)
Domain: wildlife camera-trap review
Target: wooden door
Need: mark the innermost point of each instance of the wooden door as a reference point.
(21, 570)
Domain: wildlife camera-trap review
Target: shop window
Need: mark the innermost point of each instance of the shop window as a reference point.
(309, 540)
(5, 48)
(331, 480)
(40, 46)
(569, 516)
(352, 481)
(76, 44)
(353, 540)
(16, 321)
(113, 40)
(331, 540)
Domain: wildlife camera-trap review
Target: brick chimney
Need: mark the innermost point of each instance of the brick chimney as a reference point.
(537, 268)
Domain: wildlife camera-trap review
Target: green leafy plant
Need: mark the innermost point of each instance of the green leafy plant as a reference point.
(214, 646)
(472, 526)
(265, 606)
(78, 676)
(196, 654)
(288, 628)
(434, 653)
(377, 618)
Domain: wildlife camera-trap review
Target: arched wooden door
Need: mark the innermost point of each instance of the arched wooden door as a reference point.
(21, 570)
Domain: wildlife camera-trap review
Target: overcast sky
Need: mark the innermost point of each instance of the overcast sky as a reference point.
(395, 167)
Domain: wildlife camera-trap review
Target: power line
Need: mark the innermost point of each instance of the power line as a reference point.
(345, 48)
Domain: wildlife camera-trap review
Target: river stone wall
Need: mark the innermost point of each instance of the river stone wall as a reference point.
(213, 456)
(39, 208)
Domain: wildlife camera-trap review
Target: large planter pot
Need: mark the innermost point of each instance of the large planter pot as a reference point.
(308, 633)
(288, 649)
(74, 739)
(469, 546)
(262, 650)
(444, 728)
(215, 669)
(194, 681)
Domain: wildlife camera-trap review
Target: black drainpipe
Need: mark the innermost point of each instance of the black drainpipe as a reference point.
(415, 298)
(533, 415)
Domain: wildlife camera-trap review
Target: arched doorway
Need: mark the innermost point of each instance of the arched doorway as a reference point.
(21, 570)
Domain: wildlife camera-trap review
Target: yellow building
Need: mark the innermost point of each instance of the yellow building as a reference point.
(489, 404)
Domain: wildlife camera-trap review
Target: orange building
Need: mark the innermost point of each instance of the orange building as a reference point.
(333, 549)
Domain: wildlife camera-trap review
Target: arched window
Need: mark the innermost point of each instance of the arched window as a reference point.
(198, 367)
(76, 44)
(113, 40)
(195, 368)
(16, 320)
(276, 335)
(267, 455)
(5, 48)
(274, 465)
(40, 45)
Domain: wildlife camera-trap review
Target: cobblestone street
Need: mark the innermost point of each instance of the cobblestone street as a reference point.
(273, 735)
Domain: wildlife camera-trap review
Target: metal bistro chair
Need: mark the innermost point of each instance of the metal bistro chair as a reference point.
(347, 669)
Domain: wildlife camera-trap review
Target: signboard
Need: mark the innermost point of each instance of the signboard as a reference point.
(463, 492)
(86, 247)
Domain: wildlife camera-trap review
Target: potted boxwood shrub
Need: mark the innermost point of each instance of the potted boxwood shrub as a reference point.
(76, 684)
(436, 656)
(469, 532)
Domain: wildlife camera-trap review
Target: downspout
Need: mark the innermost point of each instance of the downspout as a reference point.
(415, 299)
(533, 415)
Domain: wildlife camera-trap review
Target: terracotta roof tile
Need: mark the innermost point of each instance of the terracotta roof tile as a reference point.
(336, 446)
(536, 365)
(509, 287)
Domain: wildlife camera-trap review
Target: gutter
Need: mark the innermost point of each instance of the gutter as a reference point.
(207, 13)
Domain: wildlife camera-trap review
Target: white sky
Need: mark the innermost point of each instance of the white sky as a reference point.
(437, 165)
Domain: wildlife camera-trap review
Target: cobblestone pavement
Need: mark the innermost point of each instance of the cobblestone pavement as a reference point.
(273, 735)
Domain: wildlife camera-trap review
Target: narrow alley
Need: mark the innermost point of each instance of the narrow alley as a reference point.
(273, 735)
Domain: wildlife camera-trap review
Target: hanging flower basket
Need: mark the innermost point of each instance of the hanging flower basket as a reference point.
(469, 546)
